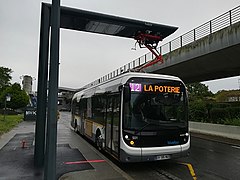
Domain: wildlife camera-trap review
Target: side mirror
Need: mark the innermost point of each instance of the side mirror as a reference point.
(126, 93)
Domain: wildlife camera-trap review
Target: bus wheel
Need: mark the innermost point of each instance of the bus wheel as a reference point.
(98, 141)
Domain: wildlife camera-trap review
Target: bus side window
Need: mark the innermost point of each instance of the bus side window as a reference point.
(74, 103)
(98, 110)
(89, 108)
(83, 107)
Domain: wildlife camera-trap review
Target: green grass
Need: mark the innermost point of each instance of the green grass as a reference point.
(233, 122)
(10, 122)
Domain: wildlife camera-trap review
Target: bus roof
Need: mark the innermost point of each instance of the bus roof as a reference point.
(115, 82)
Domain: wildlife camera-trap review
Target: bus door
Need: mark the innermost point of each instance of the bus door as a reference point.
(112, 124)
(83, 109)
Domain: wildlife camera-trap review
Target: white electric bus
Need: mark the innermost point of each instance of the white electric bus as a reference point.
(135, 117)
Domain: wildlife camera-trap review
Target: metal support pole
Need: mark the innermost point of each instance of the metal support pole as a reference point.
(181, 43)
(194, 35)
(230, 17)
(51, 149)
(210, 24)
(42, 88)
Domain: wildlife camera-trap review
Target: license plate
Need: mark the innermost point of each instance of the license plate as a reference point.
(162, 157)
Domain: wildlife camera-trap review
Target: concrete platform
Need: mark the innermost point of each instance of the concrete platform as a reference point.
(73, 153)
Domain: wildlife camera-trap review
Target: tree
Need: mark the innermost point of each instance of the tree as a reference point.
(5, 77)
(19, 98)
(200, 102)
(198, 90)
(198, 110)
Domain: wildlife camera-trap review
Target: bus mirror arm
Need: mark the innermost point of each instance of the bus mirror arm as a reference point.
(126, 93)
(120, 88)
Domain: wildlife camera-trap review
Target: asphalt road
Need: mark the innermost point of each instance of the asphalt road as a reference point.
(208, 160)
(214, 160)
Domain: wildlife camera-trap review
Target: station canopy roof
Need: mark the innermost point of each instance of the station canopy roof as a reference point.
(82, 20)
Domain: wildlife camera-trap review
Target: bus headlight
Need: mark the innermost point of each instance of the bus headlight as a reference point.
(131, 139)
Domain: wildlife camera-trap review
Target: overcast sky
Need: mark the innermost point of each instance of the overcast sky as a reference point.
(84, 57)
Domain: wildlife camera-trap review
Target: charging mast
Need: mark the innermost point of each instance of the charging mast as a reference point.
(145, 33)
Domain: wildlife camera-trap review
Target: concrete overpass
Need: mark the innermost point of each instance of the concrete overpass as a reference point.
(65, 95)
(208, 52)
(212, 57)
(64, 98)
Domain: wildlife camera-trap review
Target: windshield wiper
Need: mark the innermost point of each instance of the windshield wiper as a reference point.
(142, 128)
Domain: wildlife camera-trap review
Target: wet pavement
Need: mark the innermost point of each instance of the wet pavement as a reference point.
(76, 158)
(210, 158)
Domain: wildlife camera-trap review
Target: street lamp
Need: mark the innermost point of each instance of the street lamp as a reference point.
(7, 98)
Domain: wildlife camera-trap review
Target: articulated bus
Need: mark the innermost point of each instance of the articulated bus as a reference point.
(135, 117)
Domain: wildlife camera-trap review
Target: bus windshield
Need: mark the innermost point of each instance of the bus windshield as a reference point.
(155, 104)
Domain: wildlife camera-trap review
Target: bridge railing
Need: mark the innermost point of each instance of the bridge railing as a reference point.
(225, 20)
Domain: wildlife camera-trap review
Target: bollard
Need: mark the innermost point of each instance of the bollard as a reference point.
(23, 142)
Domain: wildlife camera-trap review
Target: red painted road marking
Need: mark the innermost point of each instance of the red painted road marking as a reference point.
(82, 162)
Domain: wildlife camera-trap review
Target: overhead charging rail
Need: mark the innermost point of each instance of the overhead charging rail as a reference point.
(146, 34)
(145, 39)
(149, 41)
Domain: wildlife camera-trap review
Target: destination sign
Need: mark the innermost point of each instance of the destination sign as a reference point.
(137, 87)
(162, 89)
